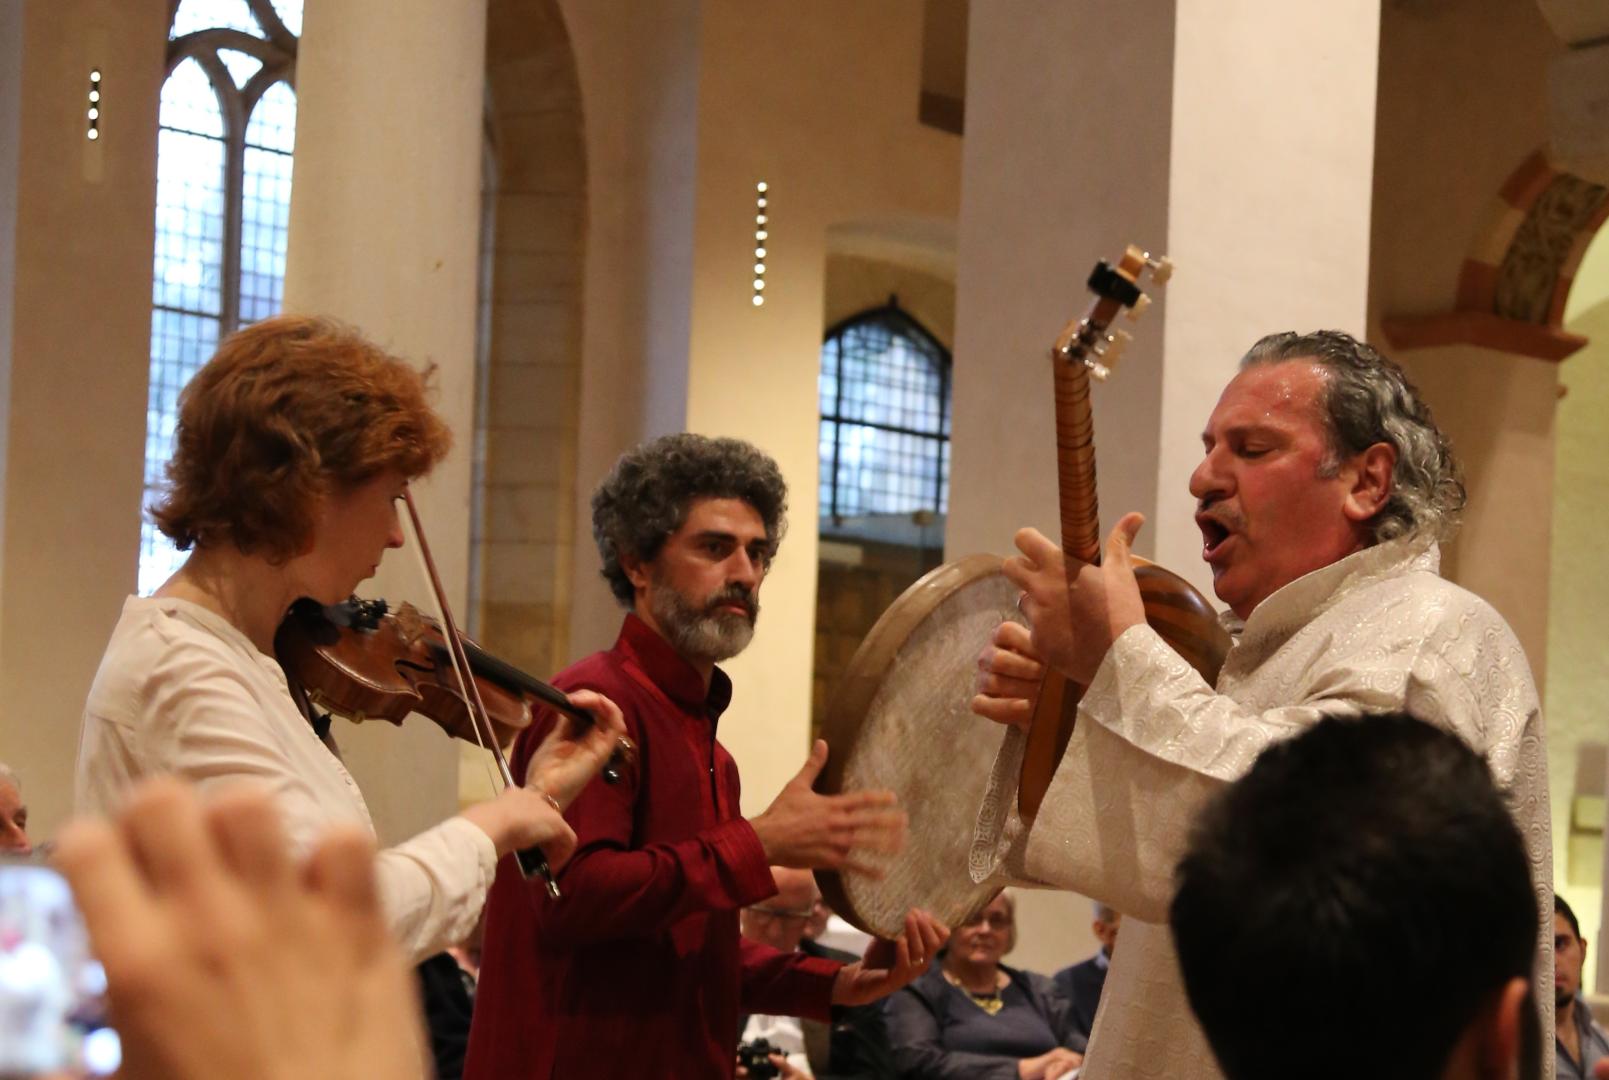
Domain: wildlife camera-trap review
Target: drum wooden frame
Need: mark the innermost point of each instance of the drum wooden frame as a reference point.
(901, 719)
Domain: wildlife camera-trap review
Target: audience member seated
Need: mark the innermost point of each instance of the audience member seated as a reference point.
(1081, 984)
(13, 815)
(1581, 1043)
(1359, 904)
(447, 993)
(855, 1044)
(834, 931)
(225, 959)
(974, 1017)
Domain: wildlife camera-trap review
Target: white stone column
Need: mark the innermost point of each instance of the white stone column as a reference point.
(385, 211)
(76, 233)
(1269, 208)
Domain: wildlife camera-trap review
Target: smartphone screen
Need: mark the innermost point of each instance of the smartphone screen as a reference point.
(52, 1014)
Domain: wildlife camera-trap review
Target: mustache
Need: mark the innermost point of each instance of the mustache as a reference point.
(1227, 516)
(734, 594)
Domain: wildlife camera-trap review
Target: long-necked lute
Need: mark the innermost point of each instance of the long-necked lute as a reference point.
(1088, 349)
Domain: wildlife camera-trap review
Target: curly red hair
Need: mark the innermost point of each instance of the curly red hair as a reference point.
(288, 409)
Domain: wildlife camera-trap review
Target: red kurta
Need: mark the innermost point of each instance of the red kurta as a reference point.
(638, 970)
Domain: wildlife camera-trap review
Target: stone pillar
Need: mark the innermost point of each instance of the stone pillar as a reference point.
(385, 212)
(1270, 183)
(76, 234)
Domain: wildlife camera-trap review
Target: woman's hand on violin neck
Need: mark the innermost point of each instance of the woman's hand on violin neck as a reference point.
(521, 818)
(566, 762)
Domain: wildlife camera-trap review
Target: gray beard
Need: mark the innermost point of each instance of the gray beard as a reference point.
(696, 633)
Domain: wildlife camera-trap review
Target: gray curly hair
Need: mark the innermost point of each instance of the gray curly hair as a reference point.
(646, 496)
(1367, 400)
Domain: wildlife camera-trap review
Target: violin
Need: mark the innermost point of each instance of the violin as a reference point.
(364, 661)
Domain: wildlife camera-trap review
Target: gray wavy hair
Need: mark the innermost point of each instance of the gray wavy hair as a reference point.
(1367, 400)
(646, 496)
(7, 776)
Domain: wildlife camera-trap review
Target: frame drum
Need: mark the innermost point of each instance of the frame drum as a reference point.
(902, 720)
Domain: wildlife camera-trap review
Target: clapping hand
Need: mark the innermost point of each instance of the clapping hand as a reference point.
(805, 829)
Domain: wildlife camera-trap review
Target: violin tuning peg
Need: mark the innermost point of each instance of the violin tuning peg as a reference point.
(1097, 370)
(1161, 268)
(1139, 307)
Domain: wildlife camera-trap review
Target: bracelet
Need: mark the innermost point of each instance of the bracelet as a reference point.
(550, 799)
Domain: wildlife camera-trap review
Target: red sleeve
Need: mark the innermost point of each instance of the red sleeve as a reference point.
(786, 984)
(612, 889)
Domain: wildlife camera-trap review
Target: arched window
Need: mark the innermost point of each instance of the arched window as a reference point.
(885, 430)
(227, 130)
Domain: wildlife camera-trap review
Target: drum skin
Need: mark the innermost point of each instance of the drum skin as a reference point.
(901, 719)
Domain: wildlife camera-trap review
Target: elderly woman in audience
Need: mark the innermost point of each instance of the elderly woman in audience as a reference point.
(974, 1017)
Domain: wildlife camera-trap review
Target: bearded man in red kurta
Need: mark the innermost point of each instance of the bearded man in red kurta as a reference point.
(638, 970)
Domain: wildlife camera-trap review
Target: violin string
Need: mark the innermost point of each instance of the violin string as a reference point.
(488, 758)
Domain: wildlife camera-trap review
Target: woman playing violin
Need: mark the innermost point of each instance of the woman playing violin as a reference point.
(294, 444)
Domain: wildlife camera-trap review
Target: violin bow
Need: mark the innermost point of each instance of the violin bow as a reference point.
(531, 861)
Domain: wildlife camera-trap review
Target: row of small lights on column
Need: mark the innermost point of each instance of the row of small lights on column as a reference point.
(94, 131)
(761, 234)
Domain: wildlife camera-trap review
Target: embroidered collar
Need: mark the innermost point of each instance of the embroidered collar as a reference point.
(671, 672)
(1295, 605)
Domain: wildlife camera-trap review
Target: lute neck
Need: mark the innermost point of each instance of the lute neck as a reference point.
(1075, 462)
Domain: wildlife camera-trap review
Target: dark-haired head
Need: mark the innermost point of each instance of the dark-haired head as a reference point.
(646, 497)
(1359, 902)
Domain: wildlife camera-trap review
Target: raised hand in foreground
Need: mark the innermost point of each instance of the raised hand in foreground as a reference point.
(224, 957)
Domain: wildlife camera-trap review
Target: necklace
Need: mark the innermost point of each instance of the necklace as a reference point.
(989, 1002)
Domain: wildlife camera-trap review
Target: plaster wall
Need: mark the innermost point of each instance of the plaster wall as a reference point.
(10, 174)
(76, 227)
(1577, 678)
(855, 284)
(383, 234)
(637, 66)
(686, 107)
(1449, 135)
(847, 81)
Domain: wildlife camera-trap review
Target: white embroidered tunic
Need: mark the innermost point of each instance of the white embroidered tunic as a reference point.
(182, 691)
(1379, 630)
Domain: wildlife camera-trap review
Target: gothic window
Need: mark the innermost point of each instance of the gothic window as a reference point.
(885, 429)
(227, 127)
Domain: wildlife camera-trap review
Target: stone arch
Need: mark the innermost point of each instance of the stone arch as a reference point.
(532, 250)
(1516, 276)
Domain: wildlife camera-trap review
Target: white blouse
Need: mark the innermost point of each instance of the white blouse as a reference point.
(182, 691)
